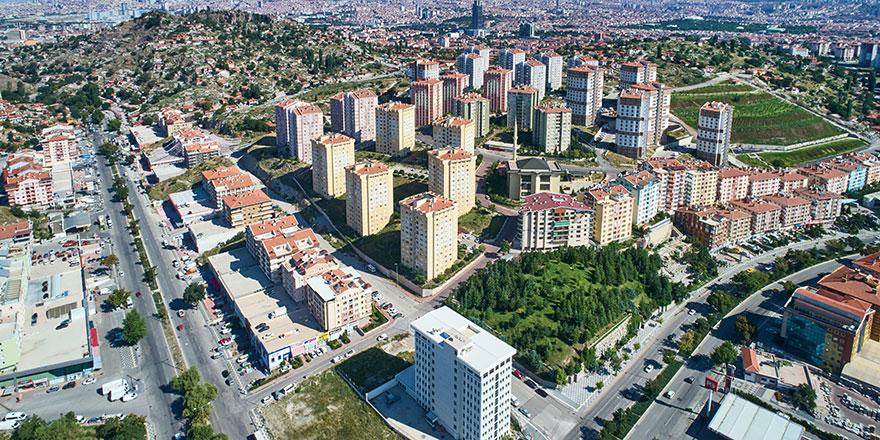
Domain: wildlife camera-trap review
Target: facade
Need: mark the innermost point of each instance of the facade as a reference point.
(673, 180)
(633, 119)
(825, 328)
(645, 191)
(583, 93)
(428, 234)
(395, 128)
(795, 210)
(301, 267)
(224, 181)
(765, 216)
(474, 66)
(552, 130)
(824, 206)
(554, 63)
(59, 145)
(792, 181)
(511, 58)
(273, 242)
(701, 184)
(495, 86)
(521, 103)
(283, 115)
(354, 114)
(484, 52)
(474, 107)
(531, 176)
(613, 207)
(534, 74)
(338, 298)
(713, 227)
(424, 69)
(454, 132)
(331, 154)
(869, 54)
(637, 72)
(713, 133)
(369, 196)
(452, 175)
(658, 110)
(454, 84)
(870, 162)
(733, 183)
(197, 154)
(306, 123)
(581, 60)
(549, 220)
(427, 96)
(764, 183)
(171, 120)
(247, 208)
(856, 173)
(462, 375)
(826, 178)
(29, 191)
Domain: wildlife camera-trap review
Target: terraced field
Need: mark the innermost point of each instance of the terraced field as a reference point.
(797, 157)
(758, 118)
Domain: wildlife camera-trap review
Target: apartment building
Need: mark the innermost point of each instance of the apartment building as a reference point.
(199, 153)
(495, 86)
(283, 115)
(644, 188)
(171, 120)
(422, 68)
(395, 128)
(632, 124)
(428, 234)
(826, 178)
(581, 61)
(224, 181)
(764, 183)
(795, 210)
(534, 74)
(790, 181)
(713, 227)
(462, 376)
(583, 93)
(474, 66)
(369, 196)
(484, 52)
(59, 144)
(31, 191)
(454, 84)
(474, 107)
(247, 208)
(870, 162)
(637, 72)
(825, 206)
(552, 131)
(713, 133)
(701, 184)
(427, 96)
(733, 183)
(856, 174)
(554, 63)
(764, 216)
(856, 284)
(511, 58)
(452, 175)
(338, 298)
(658, 110)
(521, 103)
(613, 207)
(354, 114)
(869, 54)
(454, 132)
(331, 153)
(548, 221)
(301, 267)
(275, 241)
(531, 176)
(306, 123)
(673, 181)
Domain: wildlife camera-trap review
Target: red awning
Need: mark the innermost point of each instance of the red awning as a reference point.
(93, 334)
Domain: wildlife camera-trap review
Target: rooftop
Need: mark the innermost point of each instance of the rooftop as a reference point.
(427, 202)
(450, 154)
(546, 200)
(368, 167)
(754, 206)
(853, 283)
(249, 198)
(739, 419)
(475, 346)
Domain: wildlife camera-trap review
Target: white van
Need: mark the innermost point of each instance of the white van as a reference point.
(14, 416)
(9, 425)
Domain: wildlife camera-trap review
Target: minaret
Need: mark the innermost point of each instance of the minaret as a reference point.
(515, 131)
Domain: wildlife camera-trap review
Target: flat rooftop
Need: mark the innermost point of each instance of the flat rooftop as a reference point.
(146, 135)
(193, 202)
(739, 419)
(865, 365)
(209, 234)
(239, 273)
(476, 347)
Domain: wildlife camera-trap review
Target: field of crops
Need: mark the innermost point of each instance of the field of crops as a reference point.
(758, 117)
(797, 157)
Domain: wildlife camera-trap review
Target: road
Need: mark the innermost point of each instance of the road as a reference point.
(672, 418)
(633, 374)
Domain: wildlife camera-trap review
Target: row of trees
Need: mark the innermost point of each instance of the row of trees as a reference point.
(132, 427)
(197, 398)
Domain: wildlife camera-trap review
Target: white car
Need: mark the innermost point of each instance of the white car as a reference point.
(670, 394)
(127, 397)
(649, 368)
(514, 401)
(90, 381)
(378, 298)
(382, 337)
(15, 416)
(349, 353)
(692, 312)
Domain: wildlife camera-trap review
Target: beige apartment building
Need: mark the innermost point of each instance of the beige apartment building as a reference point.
(795, 210)
(552, 131)
(428, 234)
(550, 220)
(369, 196)
(338, 298)
(733, 183)
(701, 184)
(452, 174)
(331, 153)
(765, 216)
(454, 132)
(395, 128)
(613, 213)
(247, 208)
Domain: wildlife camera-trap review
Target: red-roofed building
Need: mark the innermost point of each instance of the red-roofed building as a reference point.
(247, 208)
(16, 232)
(765, 216)
(713, 227)
(795, 210)
(550, 220)
(428, 234)
(35, 190)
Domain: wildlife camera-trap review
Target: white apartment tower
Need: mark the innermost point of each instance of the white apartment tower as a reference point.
(554, 62)
(713, 133)
(306, 122)
(637, 72)
(473, 65)
(583, 94)
(510, 58)
(463, 375)
(354, 114)
(534, 74)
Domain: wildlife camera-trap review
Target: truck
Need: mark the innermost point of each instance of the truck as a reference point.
(118, 385)
(117, 393)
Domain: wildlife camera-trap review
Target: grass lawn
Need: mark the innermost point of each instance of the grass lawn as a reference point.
(383, 247)
(6, 216)
(758, 117)
(371, 368)
(324, 407)
(481, 222)
(273, 158)
(619, 160)
(187, 180)
(791, 158)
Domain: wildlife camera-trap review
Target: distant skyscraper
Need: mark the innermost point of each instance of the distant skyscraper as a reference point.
(477, 21)
(527, 30)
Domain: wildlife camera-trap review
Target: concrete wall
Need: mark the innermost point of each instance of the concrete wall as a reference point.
(381, 389)
(611, 337)
(758, 148)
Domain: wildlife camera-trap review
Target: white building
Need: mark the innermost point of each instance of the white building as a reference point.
(713, 133)
(645, 191)
(484, 53)
(533, 73)
(462, 376)
(473, 65)
(554, 62)
(510, 58)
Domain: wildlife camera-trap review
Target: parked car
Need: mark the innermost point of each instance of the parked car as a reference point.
(525, 412)
(52, 389)
(517, 374)
(69, 385)
(371, 268)
(14, 416)
(649, 368)
(692, 312)
(349, 354)
(531, 384)
(514, 401)
(382, 337)
(225, 341)
(90, 381)
(541, 392)
(336, 359)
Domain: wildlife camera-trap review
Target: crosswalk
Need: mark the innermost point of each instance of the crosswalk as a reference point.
(128, 357)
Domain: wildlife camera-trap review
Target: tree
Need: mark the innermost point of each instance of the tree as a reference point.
(724, 354)
(745, 328)
(197, 403)
(688, 342)
(668, 356)
(108, 149)
(110, 260)
(600, 384)
(804, 396)
(561, 376)
(721, 301)
(204, 432)
(134, 327)
(119, 297)
(505, 246)
(789, 287)
(194, 293)
(97, 116)
(114, 125)
(186, 381)
(132, 427)
(122, 192)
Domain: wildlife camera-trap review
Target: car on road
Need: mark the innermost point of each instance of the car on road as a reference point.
(224, 341)
(649, 368)
(138, 294)
(63, 325)
(179, 327)
(531, 384)
(371, 268)
(180, 313)
(336, 359)
(382, 337)
(69, 385)
(541, 392)
(14, 416)
(514, 401)
(517, 374)
(525, 412)
(34, 319)
(52, 389)
(225, 373)
(692, 312)
(689, 379)
(349, 354)
(267, 399)
(670, 394)
(90, 381)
